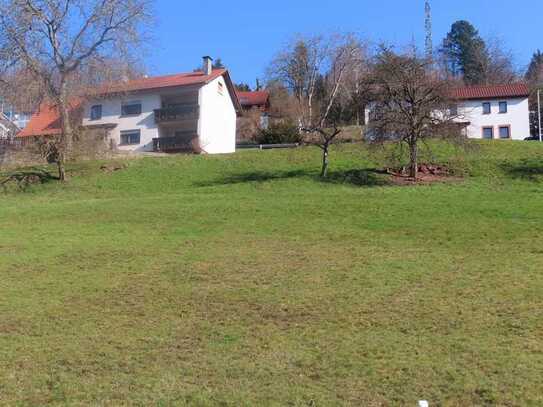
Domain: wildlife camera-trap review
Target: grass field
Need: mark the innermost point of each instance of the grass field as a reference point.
(244, 280)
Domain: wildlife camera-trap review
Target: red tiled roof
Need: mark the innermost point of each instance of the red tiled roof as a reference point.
(46, 121)
(166, 81)
(249, 99)
(492, 91)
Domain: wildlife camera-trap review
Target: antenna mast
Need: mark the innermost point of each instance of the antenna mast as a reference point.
(428, 27)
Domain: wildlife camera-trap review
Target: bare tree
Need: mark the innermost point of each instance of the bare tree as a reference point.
(298, 68)
(315, 69)
(59, 42)
(411, 104)
(21, 91)
(497, 63)
(283, 104)
(355, 91)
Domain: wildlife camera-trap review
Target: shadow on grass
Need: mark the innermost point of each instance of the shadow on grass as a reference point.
(22, 179)
(368, 177)
(528, 169)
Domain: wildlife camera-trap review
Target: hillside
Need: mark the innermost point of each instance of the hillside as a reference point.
(245, 280)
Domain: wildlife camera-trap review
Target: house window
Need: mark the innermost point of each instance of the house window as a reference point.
(453, 110)
(486, 108)
(130, 137)
(131, 109)
(505, 132)
(96, 112)
(221, 88)
(503, 107)
(488, 133)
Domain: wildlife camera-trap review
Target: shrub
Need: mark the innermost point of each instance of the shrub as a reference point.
(279, 133)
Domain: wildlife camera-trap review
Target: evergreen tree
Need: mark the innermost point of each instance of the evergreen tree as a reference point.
(217, 64)
(243, 87)
(465, 53)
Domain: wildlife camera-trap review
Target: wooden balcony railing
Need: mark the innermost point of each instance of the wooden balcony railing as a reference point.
(177, 113)
(174, 144)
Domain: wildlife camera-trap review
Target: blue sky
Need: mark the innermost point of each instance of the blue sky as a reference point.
(246, 34)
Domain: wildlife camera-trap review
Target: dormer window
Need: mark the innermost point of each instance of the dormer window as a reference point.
(486, 108)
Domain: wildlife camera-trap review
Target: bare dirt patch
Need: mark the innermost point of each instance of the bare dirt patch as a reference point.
(113, 167)
(427, 174)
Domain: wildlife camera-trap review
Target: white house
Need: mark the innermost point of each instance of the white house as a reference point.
(494, 112)
(193, 111)
(490, 112)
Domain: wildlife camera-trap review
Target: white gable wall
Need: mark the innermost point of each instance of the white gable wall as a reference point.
(217, 124)
(517, 116)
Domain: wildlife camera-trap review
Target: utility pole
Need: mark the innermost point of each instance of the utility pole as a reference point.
(539, 113)
(428, 28)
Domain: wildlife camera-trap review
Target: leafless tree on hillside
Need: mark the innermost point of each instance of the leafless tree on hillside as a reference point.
(315, 70)
(498, 63)
(62, 45)
(411, 104)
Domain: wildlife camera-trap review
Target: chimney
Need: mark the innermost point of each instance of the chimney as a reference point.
(208, 65)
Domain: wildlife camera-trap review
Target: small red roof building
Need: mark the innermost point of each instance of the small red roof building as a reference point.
(257, 99)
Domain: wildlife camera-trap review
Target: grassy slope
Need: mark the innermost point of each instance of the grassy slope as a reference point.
(243, 280)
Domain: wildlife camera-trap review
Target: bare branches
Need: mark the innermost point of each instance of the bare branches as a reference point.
(59, 42)
(314, 70)
(55, 38)
(411, 103)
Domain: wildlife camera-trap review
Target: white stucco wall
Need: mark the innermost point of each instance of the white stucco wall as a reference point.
(217, 124)
(145, 122)
(517, 116)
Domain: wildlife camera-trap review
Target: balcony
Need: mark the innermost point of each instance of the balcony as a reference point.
(175, 114)
(175, 144)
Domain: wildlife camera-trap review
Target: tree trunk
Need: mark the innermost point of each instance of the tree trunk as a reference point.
(413, 159)
(67, 131)
(66, 139)
(61, 168)
(324, 170)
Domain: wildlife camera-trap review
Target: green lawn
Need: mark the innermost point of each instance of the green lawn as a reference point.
(243, 280)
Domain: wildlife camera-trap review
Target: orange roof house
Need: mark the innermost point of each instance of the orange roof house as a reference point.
(165, 113)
